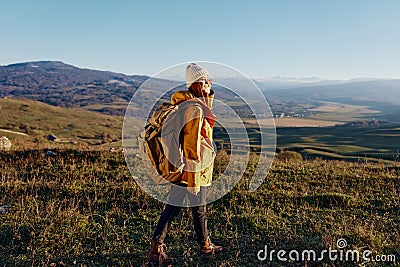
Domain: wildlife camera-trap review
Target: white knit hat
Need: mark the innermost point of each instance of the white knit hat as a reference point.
(194, 72)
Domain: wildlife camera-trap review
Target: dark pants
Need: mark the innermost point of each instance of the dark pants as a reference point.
(199, 213)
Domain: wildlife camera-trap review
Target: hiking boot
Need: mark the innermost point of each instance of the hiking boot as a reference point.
(157, 255)
(208, 247)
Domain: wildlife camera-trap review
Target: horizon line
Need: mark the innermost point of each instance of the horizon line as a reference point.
(278, 76)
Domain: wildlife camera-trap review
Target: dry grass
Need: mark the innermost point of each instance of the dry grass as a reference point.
(344, 108)
(302, 122)
(82, 208)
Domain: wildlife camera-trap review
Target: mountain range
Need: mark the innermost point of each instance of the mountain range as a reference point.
(64, 85)
(381, 90)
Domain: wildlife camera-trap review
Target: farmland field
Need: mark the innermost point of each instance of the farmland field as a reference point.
(342, 142)
(304, 122)
(330, 114)
(345, 143)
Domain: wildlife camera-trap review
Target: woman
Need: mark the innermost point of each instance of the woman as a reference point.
(198, 151)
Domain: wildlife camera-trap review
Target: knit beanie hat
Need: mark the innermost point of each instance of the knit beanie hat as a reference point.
(194, 72)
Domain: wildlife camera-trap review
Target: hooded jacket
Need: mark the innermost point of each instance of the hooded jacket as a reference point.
(197, 140)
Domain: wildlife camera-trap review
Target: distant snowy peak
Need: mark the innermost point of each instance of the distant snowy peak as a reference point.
(279, 82)
(291, 79)
(317, 79)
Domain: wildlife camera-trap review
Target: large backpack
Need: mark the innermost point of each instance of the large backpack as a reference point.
(160, 141)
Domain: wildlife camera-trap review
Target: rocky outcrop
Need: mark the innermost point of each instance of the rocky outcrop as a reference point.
(5, 143)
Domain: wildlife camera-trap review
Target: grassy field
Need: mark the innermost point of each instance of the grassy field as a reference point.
(353, 139)
(332, 114)
(28, 123)
(342, 142)
(79, 205)
(82, 208)
(305, 122)
(38, 120)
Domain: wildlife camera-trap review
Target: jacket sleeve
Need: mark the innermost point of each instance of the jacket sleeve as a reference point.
(191, 145)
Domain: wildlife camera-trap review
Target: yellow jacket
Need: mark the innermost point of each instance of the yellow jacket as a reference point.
(197, 140)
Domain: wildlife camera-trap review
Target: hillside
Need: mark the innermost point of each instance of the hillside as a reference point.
(63, 85)
(37, 120)
(59, 84)
(90, 204)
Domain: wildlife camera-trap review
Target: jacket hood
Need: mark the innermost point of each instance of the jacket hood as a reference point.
(181, 96)
(184, 95)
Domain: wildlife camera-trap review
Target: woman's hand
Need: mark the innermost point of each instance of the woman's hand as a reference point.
(207, 87)
(193, 190)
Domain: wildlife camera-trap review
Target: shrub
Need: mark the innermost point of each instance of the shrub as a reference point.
(289, 156)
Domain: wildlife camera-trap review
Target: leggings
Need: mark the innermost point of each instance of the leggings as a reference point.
(199, 213)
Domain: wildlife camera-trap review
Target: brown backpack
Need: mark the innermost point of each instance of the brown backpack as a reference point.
(160, 141)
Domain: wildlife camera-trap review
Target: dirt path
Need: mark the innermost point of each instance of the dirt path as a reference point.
(9, 131)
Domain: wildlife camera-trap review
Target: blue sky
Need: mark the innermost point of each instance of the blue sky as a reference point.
(328, 39)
